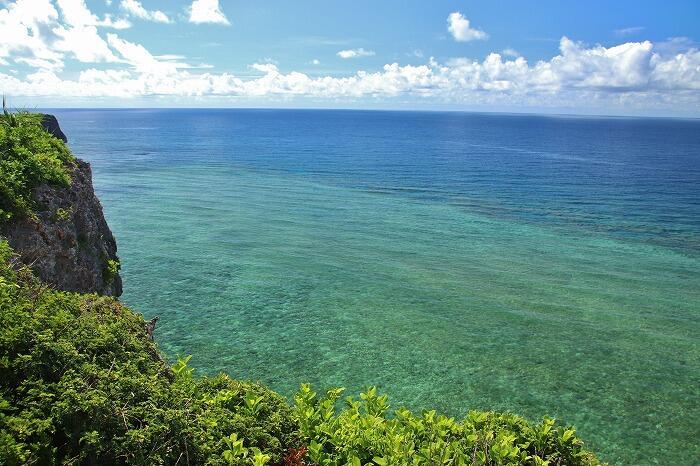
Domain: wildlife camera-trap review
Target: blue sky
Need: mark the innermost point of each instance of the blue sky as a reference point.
(622, 57)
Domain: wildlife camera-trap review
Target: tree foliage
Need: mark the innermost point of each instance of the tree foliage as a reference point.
(81, 383)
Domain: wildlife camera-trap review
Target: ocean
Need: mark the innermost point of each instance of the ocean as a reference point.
(546, 265)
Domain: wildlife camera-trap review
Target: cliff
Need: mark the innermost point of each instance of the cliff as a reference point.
(66, 241)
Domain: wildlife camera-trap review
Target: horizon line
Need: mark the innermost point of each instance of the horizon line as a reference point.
(391, 110)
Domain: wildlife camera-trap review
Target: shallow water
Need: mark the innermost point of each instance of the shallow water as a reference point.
(544, 265)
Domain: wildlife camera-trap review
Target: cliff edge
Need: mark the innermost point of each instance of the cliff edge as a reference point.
(67, 242)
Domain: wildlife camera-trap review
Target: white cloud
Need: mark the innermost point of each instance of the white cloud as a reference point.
(629, 75)
(509, 52)
(136, 9)
(355, 53)
(79, 36)
(135, 54)
(626, 66)
(144, 62)
(207, 11)
(119, 23)
(269, 68)
(170, 56)
(628, 31)
(315, 61)
(30, 31)
(84, 44)
(618, 75)
(39, 63)
(33, 33)
(25, 33)
(675, 45)
(76, 13)
(461, 29)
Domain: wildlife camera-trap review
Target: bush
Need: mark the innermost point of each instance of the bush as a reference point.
(111, 270)
(29, 156)
(361, 433)
(80, 382)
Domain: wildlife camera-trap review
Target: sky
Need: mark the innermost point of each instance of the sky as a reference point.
(594, 57)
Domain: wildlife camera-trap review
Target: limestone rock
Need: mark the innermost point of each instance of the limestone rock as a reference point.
(68, 243)
(50, 124)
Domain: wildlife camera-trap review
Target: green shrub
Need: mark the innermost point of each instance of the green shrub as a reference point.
(81, 383)
(361, 433)
(111, 270)
(62, 215)
(29, 156)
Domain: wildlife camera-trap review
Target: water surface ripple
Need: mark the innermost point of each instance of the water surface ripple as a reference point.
(545, 265)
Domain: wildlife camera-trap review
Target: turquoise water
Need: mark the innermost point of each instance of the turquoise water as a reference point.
(456, 261)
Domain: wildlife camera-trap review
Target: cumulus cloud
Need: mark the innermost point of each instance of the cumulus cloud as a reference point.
(84, 44)
(37, 35)
(268, 68)
(136, 9)
(31, 33)
(25, 33)
(207, 11)
(509, 52)
(630, 71)
(461, 29)
(355, 53)
(77, 14)
(78, 35)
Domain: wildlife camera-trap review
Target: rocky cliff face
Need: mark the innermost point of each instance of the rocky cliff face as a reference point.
(68, 244)
(50, 124)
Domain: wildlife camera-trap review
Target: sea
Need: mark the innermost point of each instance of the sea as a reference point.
(545, 265)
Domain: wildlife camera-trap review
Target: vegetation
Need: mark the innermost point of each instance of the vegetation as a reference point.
(111, 270)
(29, 156)
(363, 434)
(62, 215)
(81, 383)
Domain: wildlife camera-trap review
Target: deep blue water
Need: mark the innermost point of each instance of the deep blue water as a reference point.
(542, 264)
(631, 178)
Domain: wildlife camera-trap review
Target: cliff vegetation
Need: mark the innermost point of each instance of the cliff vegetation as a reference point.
(48, 209)
(29, 157)
(82, 383)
